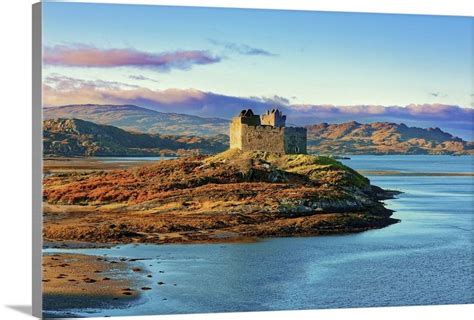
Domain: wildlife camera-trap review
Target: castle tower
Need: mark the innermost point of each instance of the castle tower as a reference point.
(251, 132)
(274, 118)
(247, 117)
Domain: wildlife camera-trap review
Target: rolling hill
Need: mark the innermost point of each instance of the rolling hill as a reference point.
(323, 138)
(133, 118)
(383, 138)
(74, 137)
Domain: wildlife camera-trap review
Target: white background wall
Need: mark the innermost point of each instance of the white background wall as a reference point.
(15, 148)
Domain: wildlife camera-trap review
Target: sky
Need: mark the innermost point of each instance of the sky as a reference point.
(315, 65)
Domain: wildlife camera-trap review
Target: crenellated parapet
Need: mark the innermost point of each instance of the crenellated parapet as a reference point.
(273, 117)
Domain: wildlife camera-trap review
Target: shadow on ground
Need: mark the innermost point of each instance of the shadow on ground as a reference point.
(25, 309)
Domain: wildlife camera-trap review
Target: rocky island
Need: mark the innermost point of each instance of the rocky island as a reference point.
(234, 195)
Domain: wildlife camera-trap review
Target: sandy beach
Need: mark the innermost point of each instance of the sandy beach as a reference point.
(80, 281)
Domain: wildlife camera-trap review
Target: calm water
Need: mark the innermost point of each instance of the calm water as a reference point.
(425, 259)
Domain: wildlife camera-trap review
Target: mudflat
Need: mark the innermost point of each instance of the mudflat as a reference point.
(74, 280)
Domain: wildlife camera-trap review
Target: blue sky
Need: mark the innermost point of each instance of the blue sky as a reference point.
(305, 58)
(325, 58)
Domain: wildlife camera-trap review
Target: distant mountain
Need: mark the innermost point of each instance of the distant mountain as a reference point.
(133, 118)
(74, 137)
(345, 138)
(383, 138)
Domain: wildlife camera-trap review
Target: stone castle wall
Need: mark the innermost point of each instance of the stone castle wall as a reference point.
(273, 119)
(249, 134)
(235, 133)
(262, 138)
(295, 140)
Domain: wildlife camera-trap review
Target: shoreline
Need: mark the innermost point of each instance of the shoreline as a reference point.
(74, 281)
(66, 235)
(216, 238)
(414, 174)
(136, 282)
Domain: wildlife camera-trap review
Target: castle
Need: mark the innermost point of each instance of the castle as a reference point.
(267, 132)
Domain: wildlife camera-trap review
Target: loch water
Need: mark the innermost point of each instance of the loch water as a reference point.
(425, 259)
